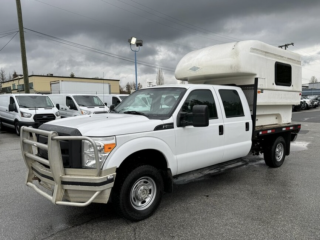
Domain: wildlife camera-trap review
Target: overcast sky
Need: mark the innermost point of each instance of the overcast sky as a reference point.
(169, 30)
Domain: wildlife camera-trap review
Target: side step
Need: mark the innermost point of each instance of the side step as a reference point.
(211, 170)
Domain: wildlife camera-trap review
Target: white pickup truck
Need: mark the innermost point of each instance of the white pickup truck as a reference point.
(133, 154)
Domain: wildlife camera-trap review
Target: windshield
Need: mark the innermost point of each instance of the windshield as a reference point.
(88, 101)
(123, 97)
(34, 102)
(155, 103)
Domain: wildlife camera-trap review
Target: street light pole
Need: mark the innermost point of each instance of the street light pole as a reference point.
(138, 43)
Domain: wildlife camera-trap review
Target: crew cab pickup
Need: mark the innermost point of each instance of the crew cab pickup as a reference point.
(133, 154)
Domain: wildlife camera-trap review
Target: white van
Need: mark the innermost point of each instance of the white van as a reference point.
(18, 110)
(112, 99)
(71, 105)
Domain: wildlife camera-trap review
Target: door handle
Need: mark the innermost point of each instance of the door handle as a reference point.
(221, 130)
(247, 126)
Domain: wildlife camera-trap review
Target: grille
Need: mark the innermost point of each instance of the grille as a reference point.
(70, 150)
(43, 118)
(99, 112)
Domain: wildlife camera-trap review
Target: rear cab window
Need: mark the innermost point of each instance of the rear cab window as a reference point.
(231, 103)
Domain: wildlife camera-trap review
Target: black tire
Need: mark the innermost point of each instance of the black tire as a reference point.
(275, 153)
(17, 128)
(138, 195)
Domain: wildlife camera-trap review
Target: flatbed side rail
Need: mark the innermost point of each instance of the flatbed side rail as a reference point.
(29, 147)
(276, 129)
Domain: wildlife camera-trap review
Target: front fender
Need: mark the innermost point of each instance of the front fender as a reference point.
(138, 144)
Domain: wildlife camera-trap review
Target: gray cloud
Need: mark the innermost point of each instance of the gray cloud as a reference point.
(170, 29)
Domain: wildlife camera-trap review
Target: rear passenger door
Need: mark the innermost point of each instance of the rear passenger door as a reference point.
(198, 147)
(237, 129)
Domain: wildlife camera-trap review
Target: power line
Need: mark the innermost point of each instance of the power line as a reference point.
(9, 31)
(96, 20)
(178, 21)
(175, 28)
(8, 34)
(84, 47)
(9, 41)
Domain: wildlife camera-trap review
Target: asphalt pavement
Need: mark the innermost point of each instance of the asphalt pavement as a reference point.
(250, 202)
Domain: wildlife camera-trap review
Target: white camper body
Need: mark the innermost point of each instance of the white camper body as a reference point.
(255, 66)
(71, 87)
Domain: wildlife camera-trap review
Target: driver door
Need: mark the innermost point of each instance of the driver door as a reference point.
(199, 147)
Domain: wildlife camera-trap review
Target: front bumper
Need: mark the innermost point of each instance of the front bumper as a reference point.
(62, 186)
(29, 124)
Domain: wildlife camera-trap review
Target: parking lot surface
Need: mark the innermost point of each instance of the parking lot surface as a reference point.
(250, 202)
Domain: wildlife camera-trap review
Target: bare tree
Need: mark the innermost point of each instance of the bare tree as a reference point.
(14, 75)
(2, 76)
(313, 79)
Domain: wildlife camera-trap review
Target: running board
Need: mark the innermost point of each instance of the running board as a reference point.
(211, 170)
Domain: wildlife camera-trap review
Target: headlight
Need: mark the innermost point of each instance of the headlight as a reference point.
(104, 147)
(57, 113)
(85, 112)
(26, 115)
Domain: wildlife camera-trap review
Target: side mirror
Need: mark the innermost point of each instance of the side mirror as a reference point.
(106, 104)
(12, 108)
(58, 106)
(112, 108)
(200, 116)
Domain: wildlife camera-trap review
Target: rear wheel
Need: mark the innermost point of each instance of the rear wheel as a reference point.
(275, 153)
(139, 194)
(17, 128)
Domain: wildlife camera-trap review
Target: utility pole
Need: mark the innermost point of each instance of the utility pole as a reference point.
(285, 46)
(23, 49)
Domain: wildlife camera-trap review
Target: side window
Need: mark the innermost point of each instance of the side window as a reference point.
(200, 97)
(283, 74)
(13, 103)
(115, 101)
(231, 103)
(70, 103)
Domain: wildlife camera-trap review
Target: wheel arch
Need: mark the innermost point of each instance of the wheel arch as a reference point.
(144, 151)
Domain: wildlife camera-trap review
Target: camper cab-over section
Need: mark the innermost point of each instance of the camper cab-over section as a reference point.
(269, 76)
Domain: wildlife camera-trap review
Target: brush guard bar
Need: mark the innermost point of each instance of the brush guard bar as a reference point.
(90, 181)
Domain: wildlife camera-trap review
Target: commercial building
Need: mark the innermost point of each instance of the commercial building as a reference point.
(41, 83)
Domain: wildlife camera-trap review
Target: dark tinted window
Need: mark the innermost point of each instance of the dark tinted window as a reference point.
(71, 104)
(115, 101)
(200, 97)
(283, 74)
(231, 103)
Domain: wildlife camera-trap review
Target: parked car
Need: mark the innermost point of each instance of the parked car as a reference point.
(308, 101)
(315, 100)
(71, 105)
(298, 107)
(18, 110)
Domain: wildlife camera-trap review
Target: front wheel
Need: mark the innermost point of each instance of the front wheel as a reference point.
(17, 128)
(275, 154)
(139, 194)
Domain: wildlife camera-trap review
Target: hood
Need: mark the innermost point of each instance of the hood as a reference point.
(98, 125)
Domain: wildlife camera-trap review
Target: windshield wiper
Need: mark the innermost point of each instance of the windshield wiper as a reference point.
(23, 106)
(135, 112)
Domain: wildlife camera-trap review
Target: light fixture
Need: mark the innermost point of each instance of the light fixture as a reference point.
(138, 43)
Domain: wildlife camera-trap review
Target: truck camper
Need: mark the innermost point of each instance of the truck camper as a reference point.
(238, 101)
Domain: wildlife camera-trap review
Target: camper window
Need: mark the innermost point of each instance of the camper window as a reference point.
(283, 74)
